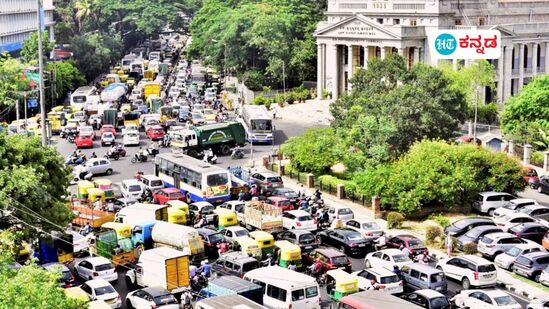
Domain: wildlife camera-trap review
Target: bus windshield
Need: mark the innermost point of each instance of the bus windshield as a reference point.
(261, 125)
(215, 180)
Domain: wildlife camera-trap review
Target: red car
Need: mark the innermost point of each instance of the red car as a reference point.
(280, 202)
(414, 244)
(329, 258)
(155, 133)
(84, 140)
(165, 195)
(107, 128)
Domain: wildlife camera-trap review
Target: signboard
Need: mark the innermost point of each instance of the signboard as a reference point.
(32, 103)
(466, 44)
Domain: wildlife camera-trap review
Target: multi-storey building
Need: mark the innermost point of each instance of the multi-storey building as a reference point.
(358, 30)
(18, 19)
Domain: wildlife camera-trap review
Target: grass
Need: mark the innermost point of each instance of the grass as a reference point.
(531, 283)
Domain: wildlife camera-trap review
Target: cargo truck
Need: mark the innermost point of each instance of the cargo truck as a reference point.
(262, 216)
(151, 88)
(164, 267)
(232, 285)
(106, 243)
(110, 116)
(220, 137)
(139, 213)
(180, 237)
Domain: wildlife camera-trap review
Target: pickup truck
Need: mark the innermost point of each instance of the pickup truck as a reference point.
(262, 216)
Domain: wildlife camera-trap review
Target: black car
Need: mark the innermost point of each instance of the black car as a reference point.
(304, 239)
(428, 299)
(530, 230)
(287, 193)
(461, 227)
(543, 186)
(347, 240)
(211, 239)
(475, 234)
(67, 279)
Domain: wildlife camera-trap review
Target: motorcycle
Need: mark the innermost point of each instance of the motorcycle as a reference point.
(75, 161)
(139, 158)
(210, 159)
(121, 151)
(237, 154)
(71, 138)
(199, 282)
(112, 155)
(152, 151)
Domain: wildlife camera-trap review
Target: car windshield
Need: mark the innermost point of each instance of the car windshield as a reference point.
(67, 275)
(216, 238)
(167, 299)
(344, 211)
(517, 228)
(132, 134)
(107, 135)
(197, 116)
(249, 266)
(239, 208)
(104, 290)
(486, 268)
(305, 218)
(242, 233)
(134, 188)
(399, 258)
(438, 277)
(415, 243)
(208, 112)
(355, 237)
(474, 233)
(104, 267)
(215, 180)
(370, 226)
(307, 239)
(389, 279)
(487, 240)
(505, 300)
(156, 183)
(525, 210)
(207, 209)
(274, 179)
(340, 260)
(439, 303)
(175, 195)
(513, 251)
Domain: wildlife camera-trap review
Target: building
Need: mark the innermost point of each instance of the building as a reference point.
(18, 19)
(358, 30)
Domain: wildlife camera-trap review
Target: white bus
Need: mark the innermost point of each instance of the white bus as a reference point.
(284, 288)
(80, 96)
(199, 181)
(258, 124)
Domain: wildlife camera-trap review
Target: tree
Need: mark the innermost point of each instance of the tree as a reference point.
(94, 53)
(31, 286)
(11, 79)
(527, 113)
(29, 52)
(33, 182)
(67, 77)
(84, 10)
(313, 151)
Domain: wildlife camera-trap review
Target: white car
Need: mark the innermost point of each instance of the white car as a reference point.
(513, 206)
(129, 127)
(507, 258)
(231, 233)
(493, 244)
(174, 92)
(210, 97)
(94, 166)
(470, 270)
(100, 289)
(152, 182)
(544, 276)
(131, 188)
(367, 227)
(386, 280)
(340, 212)
(107, 138)
(496, 299)
(151, 297)
(131, 138)
(386, 258)
(235, 206)
(539, 303)
(298, 220)
(508, 221)
(96, 267)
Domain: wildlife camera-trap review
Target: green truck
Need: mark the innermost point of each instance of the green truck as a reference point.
(110, 116)
(220, 137)
(105, 246)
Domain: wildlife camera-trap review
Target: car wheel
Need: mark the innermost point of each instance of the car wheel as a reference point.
(129, 284)
(129, 304)
(465, 283)
(491, 212)
(367, 264)
(539, 189)
(109, 172)
(439, 268)
(536, 276)
(225, 150)
(510, 268)
(342, 249)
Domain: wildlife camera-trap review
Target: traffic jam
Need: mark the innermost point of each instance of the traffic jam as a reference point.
(169, 215)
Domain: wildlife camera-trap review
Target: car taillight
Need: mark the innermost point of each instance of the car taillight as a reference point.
(380, 286)
(268, 184)
(315, 220)
(329, 265)
(354, 245)
(368, 234)
(500, 224)
(95, 274)
(475, 274)
(490, 246)
(401, 283)
(298, 223)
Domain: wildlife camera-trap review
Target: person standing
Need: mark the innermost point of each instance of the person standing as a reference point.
(449, 244)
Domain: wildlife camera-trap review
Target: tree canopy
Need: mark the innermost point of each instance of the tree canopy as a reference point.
(29, 52)
(94, 53)
(67, 77)
(11, 81)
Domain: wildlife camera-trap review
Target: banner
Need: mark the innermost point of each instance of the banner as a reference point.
(466, 44)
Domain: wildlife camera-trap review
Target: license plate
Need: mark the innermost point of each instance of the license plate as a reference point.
(438, 288)
(309, 247)
(361, 245)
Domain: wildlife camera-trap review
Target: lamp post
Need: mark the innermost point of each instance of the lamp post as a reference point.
(41, 77)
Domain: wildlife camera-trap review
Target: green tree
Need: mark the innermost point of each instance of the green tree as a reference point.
(29, 52)
(527, 113)
(312, 151)
(84, 9)
(67, 77)
(94, 53)
(11, 79)
(33, 181)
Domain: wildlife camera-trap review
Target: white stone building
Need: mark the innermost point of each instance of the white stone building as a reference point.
(18, 19)
(358, 30)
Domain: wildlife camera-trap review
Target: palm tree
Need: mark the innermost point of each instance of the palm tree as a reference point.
(84, 10)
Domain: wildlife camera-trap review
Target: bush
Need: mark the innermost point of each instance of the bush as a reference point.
(432, 233)
(329, 180)
(440, 219)
(325, 94)
(279, 98)
(537, 158)
(394, 220)
(470, 248)
(253, 79)
(260, 100)
(290, 97)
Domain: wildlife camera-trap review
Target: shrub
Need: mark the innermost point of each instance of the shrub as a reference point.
(325, 94)
(394, 220)
(268, 103)
(470, 248)
(290, 97)
(253, 79)
(432, 233)
(537, 158)
(279, 98)
(440, 219)
(329, 180)
(260, 100)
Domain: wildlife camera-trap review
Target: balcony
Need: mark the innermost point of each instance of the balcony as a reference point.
(534, 28)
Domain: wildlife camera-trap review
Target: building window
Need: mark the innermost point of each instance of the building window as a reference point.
(380, 21)
(413, 22)
(458, 22)
(396, 21)
(481, 21)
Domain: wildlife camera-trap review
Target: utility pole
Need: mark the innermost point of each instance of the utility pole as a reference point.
(226, 71)
(41, 77)
(284, 79)
(17, 115)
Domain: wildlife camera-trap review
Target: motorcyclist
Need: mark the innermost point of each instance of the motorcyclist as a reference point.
(318, 195)
(304, 204)
(93, 155)
(166, 140)
(316, 269)
(268, 261)
(141, 154)
(186, 299)
(205, 268)
(111, 150)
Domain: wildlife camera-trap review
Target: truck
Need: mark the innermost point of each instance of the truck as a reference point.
(139, 213)
(262, 216)
(59, 249)
(164, 267)
(154, 103)
(114, 92)
(106, 243)
(95, 218)
(220, 137)
(151, 88)
(180, 237)
(233, 285)
(110, 116)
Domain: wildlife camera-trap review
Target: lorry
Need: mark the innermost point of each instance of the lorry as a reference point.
(114, 92)
(85, 214)
(164, 267)
(233, 285)
(106, 243)
(139, 213)
(220, 137)
(154, 103)
(180, 237)
(110, 116)
(58, 249)
(262, 216)
(151, 88)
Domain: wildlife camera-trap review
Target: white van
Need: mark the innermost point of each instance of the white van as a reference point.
(285, 288)
(131, 188)
(152, 182)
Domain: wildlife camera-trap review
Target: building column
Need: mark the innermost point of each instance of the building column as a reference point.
(400, 51)
(507, 76)
(366, 52)
(521, 66)
(534, 58)
(500, 77)
(546, 57)
(334, 61)
(416, 55)
(455, 64)
(349, 66)
(319, 72)
(382, 52)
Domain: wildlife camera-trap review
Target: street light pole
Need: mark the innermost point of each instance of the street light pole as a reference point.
(225, 65)
(477, 90)
(41, 77)
(284, 79)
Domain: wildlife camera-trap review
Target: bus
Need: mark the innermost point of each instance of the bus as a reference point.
(258, 124)
(131, 118)
(199, 181)
(80, 96)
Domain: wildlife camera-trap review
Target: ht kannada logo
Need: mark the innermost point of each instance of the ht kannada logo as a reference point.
(445, 44)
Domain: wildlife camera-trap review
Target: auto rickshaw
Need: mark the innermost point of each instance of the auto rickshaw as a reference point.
(177, 216)
(83, 187)
(94, 193)
(104, 82)
(179, 205)
(340, 284)
(287, 253)
(248, 246)
(106, 186)
(122, 230)
(126, 108)
(225, 218)
(265, 241)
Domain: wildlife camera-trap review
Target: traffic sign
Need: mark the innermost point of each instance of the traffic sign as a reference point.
(32, 103)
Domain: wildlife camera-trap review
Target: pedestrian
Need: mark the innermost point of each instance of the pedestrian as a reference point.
(449, 243)
(98, 204)
(242, 196)
(222, 247)
(302, 191)
(186, 299)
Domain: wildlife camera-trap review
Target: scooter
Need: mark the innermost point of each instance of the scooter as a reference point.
(139, 158)
(112, 155)
(152, 151)
(210, 159)
(79, 160)
(71, 138)
(237, 154)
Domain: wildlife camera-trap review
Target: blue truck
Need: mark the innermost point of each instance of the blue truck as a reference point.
(232, 285)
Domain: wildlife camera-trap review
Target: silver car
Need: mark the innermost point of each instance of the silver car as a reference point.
(495, 243)
(94, 166)
(487, 202)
